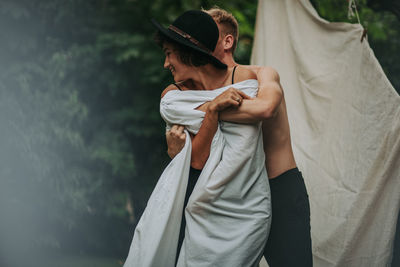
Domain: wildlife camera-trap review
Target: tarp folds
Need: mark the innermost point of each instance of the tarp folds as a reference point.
(345, 124)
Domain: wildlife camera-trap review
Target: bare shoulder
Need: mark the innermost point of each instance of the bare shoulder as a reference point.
(265, 72)
(242, 73)
(169, 88)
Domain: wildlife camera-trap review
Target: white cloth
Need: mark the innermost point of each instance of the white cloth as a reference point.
(345, 125)
(228, 213)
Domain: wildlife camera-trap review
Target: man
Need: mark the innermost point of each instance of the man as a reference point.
(289, 242)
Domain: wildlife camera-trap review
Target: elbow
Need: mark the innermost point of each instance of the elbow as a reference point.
(268, 113)
(198, 165)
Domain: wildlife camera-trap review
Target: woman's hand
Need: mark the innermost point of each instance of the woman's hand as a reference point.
(175, 140)
(228, 99)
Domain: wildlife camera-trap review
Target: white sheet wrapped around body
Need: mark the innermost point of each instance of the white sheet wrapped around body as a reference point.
(228, 214)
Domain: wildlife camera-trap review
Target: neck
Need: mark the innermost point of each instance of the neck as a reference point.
(207, 77)
(228, 59)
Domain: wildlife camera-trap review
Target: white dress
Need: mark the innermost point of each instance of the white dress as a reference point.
(228, 214)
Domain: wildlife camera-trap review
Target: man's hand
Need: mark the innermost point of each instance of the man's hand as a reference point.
(176, 138)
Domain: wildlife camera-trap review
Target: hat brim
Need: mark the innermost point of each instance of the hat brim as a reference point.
(183, 41)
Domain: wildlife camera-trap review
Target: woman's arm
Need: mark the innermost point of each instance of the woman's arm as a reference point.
(231, 98)
(201, 142)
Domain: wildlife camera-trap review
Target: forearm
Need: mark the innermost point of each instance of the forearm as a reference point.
(267, 102)
(253, 110)
(201, 142)
(250, 111)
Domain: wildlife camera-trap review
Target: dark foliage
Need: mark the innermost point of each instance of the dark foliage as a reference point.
(81, 138)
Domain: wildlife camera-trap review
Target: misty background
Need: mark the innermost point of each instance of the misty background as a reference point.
(82, 143)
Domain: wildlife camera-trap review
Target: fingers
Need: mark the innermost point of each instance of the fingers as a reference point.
(243, 95)
(174, 128)
(233, 101)
(239, 95)
(181, 133)
(227, 99)
(181, 128)
(178, 131)
(237, 99)
(230, 98)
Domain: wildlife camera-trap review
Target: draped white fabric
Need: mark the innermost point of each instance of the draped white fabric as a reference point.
(228, 213)
(345, 125)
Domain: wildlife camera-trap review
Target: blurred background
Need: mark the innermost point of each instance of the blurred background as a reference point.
(81, 140)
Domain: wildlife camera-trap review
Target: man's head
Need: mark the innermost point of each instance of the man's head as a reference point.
(228, 31)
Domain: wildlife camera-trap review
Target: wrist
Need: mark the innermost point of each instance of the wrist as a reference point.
(212, 108)
(170, 154)
(212, 114)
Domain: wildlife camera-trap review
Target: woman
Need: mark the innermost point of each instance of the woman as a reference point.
(226, 209)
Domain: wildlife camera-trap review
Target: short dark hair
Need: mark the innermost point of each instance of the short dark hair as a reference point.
(185, 54)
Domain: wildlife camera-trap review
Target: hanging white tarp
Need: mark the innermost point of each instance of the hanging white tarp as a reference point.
(345, 124)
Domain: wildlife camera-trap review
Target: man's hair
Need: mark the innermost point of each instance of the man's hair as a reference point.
(186, 55)
(227, 21)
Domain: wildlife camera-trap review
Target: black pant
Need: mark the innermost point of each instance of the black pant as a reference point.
(289, 240)
(193, 177)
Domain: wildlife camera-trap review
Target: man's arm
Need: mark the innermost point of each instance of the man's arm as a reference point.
(265, 105)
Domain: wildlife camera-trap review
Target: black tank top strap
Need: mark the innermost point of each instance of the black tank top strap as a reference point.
(177, 86)
(233, 74)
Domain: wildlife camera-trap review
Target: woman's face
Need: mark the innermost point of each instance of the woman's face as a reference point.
(178, 70)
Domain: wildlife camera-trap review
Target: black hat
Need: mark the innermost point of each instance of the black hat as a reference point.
(197, 30)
